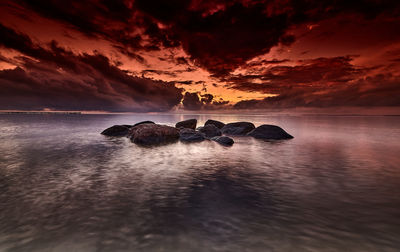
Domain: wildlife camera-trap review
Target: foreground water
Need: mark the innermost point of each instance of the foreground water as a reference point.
(65, 187)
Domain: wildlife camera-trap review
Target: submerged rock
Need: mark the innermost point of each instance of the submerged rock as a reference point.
(238, 128)
(210, 130)
(153, 134)
(224, 140)
(269, 132)
(190, 135)
(116, 130)
(190, 124)
(143, 122)
(217, 124)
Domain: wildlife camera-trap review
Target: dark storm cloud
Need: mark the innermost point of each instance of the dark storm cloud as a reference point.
(191, 101)
(116, 21)
(320, 72)
(321, 82)
(53, 77)
(181, 61)
(218, 35)
(207, 98)
(195, 101)
(377, 90)
(222, 35)
(86, 16)
(267, 62)
(225, 40)
(188, 82)
(158, 72)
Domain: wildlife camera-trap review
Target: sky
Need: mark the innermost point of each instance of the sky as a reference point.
(156, 56)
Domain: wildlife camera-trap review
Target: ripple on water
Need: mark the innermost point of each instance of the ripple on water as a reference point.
(65, 187)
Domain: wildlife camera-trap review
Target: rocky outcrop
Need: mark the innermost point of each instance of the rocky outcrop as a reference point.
(153, 134)
(149, 133)
(238, 128)
(217, 124)
(144, 122)
(116, 130)
(271, 132)
(224, 140)
(210, 130)
(190, 124)
(190, 135)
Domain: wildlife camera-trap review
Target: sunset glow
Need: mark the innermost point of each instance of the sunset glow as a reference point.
(143, 56)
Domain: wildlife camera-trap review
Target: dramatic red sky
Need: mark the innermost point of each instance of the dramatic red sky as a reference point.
(143, 55)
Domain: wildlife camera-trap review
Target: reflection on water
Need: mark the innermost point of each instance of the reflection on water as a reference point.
(65, 187)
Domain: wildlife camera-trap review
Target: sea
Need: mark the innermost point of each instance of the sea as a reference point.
(65, 187)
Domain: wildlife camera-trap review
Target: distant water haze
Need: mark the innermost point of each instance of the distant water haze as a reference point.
(337, 110)
(66, 187)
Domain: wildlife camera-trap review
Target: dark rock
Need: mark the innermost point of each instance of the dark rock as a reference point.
(116, 130)
(269, 132)
(238, 128)
(217, 124)
(224, 140)
(210, 130)
(190, 135)
(153, 134)
(144, 122)
(190, 124)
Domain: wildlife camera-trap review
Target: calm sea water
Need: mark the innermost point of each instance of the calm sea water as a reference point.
(65, 187)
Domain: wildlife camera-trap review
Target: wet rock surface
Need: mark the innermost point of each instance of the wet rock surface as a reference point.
(224, 140)
(116, 130)
(190, 124)
(144, 122)
(217, 124)
(238, 128)
(269, 132)
(190, 135)
(149, 133)
(153, 134)
(210, 130)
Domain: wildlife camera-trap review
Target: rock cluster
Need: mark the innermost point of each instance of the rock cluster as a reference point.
(149, 133)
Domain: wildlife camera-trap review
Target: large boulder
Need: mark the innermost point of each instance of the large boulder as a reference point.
(210, 130)
(269, 132)
(224, 140)
(116, 130)
(238, 128)
(217, 124)
(153, 134)
(143, 122)
(190, 124)
(190, 135)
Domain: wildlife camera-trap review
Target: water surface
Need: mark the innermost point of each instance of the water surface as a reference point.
(65, 187)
